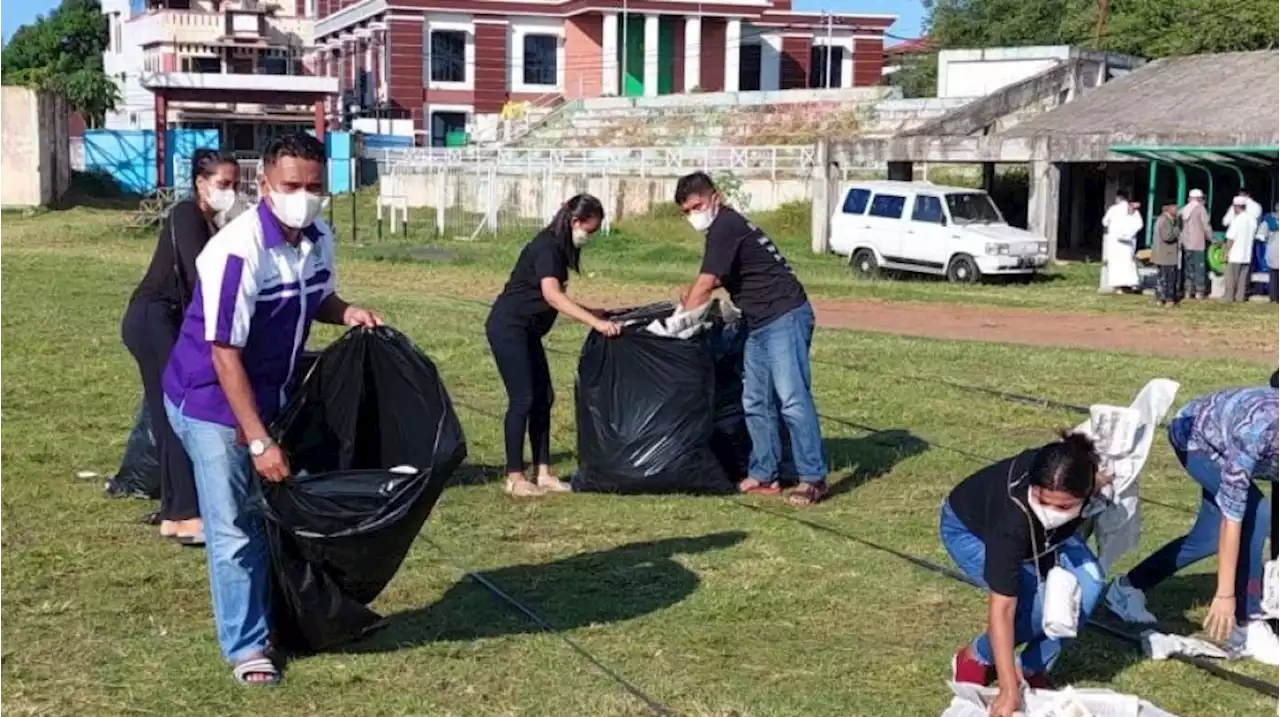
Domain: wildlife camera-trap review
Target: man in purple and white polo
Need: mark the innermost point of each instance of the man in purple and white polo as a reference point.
(262, 280)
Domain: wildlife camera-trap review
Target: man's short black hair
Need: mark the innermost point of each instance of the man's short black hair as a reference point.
(294, 144)
(690, 184)
(1122, 195)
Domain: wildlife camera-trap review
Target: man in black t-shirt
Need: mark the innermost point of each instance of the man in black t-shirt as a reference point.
(779, 321)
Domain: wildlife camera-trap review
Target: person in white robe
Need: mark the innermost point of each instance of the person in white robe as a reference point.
(1120, 225)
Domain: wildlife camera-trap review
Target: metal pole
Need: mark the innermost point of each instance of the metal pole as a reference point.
(828, 78)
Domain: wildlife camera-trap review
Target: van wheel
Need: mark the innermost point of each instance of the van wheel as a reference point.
(863, 264)
(963, 270)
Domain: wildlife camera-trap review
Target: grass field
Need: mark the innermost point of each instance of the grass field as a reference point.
(707, 606)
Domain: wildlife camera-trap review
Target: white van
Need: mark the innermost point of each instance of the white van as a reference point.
(930, 229)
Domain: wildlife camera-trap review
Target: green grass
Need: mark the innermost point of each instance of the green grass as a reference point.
(709, 607)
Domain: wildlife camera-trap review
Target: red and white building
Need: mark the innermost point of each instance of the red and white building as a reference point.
(448, 66)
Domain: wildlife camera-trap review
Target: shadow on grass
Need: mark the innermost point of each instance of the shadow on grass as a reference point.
(593, 588)
(857, 461)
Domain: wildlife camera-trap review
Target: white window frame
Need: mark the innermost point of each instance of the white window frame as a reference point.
(447, 23)
(468, 110)
(515, 55)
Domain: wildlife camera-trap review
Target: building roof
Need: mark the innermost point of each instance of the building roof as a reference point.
(1220, 100)
(911, 46)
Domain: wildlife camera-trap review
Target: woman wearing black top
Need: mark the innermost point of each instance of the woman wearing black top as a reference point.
(153, 317)
(523, 313)
(1006, 526)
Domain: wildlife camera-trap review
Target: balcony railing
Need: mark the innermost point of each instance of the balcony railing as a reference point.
(196, 27)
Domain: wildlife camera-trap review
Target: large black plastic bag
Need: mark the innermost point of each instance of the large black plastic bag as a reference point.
(340, 528)
(139, 474)
(646, 411)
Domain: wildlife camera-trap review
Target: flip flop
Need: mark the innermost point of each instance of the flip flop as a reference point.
(553, 485)
(194, 540)
(807, 495)
(755, 486)
(523, 489)
(257, 666)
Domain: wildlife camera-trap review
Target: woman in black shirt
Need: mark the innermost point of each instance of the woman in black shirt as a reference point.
(1006, 526)
(523, 313)
(154, 316)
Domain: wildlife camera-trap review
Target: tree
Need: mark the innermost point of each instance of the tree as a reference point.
(1145, 28)
(62, 53)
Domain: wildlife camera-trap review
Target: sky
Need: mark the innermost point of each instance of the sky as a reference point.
(909, 12)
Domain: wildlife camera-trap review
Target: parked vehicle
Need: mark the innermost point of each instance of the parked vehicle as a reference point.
(931, 229)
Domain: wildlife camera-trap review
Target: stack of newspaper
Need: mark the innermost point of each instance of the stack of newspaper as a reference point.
(975, 701)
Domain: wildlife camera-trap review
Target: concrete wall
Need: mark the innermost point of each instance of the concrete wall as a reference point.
(536, 196)
(35, 159)
(977, 73)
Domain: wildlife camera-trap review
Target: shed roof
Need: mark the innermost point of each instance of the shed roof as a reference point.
(1222, 99)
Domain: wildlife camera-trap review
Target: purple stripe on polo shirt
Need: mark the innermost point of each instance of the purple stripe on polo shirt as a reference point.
(227, 298)
(316, 279)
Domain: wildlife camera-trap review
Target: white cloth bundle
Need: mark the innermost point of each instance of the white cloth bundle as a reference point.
(1124, 437)
(1061, 612)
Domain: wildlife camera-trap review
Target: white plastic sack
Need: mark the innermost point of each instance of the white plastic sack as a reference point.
(1124, 437)
(975, 701)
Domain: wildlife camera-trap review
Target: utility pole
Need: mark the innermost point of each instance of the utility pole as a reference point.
(830, 21)
(1104, 10)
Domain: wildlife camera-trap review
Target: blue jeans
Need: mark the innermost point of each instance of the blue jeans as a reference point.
(777, 379)
(970, 555)
(235, 538)
(1202, 541)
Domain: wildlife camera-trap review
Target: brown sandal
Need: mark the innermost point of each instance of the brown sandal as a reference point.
(807, 495)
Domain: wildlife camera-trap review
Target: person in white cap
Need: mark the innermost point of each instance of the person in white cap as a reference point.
(1196, 235)
(1240, 231)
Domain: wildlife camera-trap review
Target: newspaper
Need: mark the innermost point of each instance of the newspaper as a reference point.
(974, 701)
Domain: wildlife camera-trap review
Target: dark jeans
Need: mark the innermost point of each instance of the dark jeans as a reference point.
(1167, 284)
(522, 363)
(1273, 283)
(150, 329)
(1202, 540)
(1195, 273)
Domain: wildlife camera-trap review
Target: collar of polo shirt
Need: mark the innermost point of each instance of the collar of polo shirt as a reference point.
(273, 232)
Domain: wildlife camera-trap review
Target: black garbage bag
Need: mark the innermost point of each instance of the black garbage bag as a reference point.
(646, 411)
(139, 474)
(372, 439)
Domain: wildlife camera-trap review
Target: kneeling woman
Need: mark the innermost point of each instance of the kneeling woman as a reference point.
(1006, 526)
(1225, 441)
(521, 316)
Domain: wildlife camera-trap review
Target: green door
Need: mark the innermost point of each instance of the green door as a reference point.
(631, 42)
(667, 53)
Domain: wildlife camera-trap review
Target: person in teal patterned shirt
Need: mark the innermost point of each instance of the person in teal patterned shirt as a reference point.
(1225, 440)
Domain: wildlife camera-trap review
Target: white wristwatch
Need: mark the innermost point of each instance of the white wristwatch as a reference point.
(259, 446)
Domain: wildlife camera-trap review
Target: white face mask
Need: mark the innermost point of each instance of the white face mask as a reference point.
(220, 200)
(582, 237)
(296, 209)
(1048, 516)
(701, 219)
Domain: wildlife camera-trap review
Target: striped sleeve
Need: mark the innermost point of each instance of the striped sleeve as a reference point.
(229, 290)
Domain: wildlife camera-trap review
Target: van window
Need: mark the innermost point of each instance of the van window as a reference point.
(928, 208)
(888, 206)
(855, 202)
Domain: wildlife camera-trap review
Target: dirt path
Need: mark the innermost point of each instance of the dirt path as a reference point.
(1164, 337)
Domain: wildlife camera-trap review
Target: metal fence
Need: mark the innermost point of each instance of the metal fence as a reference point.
(772, 162)
(467, 202)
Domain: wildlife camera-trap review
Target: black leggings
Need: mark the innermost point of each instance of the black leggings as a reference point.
(522, 362)
(149, 330)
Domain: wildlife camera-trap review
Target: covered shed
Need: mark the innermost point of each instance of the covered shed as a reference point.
(1207, 121)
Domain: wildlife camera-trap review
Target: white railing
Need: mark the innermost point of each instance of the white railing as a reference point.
(771, 161)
